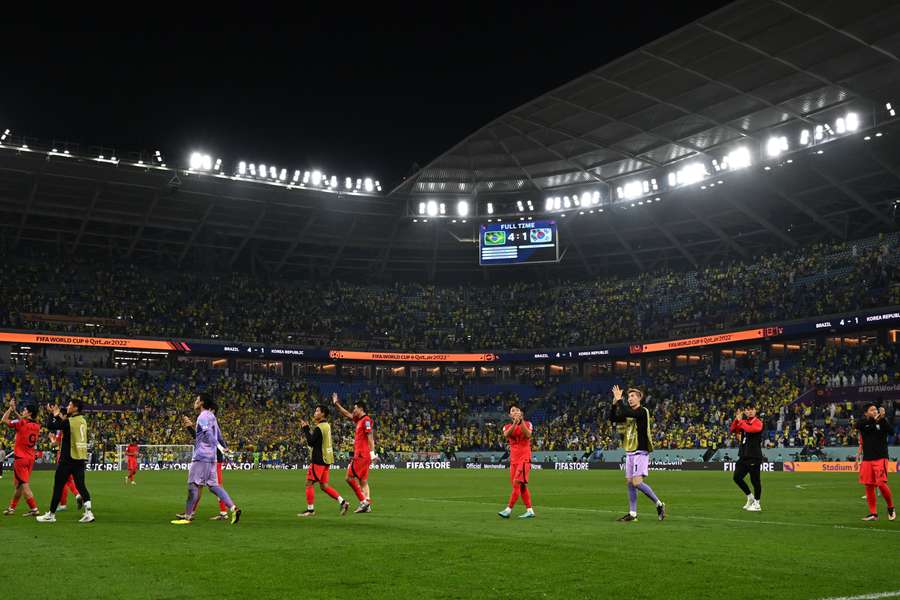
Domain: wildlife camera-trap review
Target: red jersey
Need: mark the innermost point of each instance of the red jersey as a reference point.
(26, 438)
(519, 445)
(132, 451)
(361, 441)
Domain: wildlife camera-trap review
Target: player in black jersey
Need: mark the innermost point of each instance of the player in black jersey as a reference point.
(874, 431)
(748, 427)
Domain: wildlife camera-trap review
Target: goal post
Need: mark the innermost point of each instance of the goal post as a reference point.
(155, 454)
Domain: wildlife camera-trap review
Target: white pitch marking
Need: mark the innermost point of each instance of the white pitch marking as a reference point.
(690, 517)
(893, 594)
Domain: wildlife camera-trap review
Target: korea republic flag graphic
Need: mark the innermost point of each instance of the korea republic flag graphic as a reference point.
(541, 235)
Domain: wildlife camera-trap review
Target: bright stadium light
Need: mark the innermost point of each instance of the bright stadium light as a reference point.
(520, 206)
(263, 170)
(566, 202)
(689, 174)
(305, 177)
(776, 145)
(443, 208)
(348, 183)
(548, 204)
(431, 208)
(316, 177)
(852, 121)
(557, 203)
(358, 183)
(585, 199)
(369, 184)
(421, 208)
(530, 206)
(595, 198)
(218, 166)
(273, 172)
(296, 176)
(283, 175)
(334, 181)
(378, 187)
(804, 137)
(253, 169)
(462, 208)
(633, 189)
(887, 105)
(490, 208)
(737, 159)
(819, 133)
(196, 161)
(840, 126)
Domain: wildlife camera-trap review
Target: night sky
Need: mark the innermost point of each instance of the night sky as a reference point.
(351, 95)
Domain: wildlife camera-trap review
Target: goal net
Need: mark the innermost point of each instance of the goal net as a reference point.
(164, 456)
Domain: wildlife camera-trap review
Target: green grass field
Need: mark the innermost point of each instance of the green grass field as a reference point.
(435, 534)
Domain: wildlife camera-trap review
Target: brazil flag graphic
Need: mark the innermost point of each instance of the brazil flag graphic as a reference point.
(494, 238)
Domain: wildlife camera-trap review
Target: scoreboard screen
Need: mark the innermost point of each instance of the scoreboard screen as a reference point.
(518, 243)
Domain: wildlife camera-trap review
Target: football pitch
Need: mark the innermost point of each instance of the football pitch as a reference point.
(436, 534)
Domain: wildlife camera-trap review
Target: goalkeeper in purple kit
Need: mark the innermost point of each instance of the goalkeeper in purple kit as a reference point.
(203, 463)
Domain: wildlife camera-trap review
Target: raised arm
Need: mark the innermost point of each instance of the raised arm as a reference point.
(57, 421)
(736, 424)
(337, 405)
(10, 410)
(313, 436)
(526, 430)
(615, 414)
(754, 425)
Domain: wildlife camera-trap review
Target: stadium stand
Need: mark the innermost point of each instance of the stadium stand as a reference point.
(123, 298)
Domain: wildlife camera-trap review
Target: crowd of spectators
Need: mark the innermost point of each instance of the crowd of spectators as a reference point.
(691, 407)
(125, 298)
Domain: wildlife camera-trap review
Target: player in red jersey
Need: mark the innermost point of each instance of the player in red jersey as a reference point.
(56, 440)
(23, 454)
(363, 452)
(132, 453)
(518, 434)
(874, 431)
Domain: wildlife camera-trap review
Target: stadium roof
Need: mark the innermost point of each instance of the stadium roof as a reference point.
(740, 75)
(732, 75)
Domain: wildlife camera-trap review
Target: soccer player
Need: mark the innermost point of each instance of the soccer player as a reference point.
(73, 458)
(518, 434)
(748, 427)
(27, 430)
(222, 515)
(363, 452)
(206, 441)
(319, 440)
(874, 430)
(132, 453)
(633, 424)
(56, 440)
